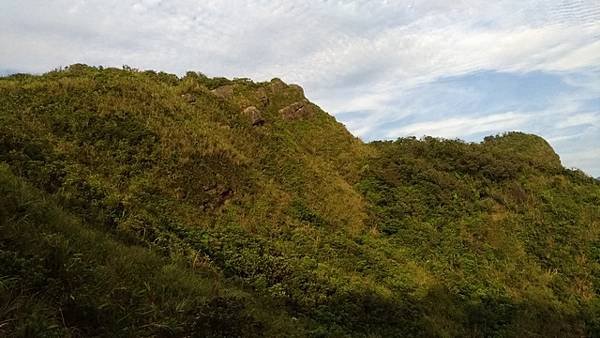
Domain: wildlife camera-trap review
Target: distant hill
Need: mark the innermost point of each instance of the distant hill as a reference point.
(139, 203)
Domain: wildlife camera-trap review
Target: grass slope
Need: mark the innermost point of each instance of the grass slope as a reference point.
(142, 204)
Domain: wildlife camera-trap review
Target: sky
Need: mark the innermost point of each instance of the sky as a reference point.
(386, 69)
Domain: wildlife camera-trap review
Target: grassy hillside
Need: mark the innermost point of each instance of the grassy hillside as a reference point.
(142, 204)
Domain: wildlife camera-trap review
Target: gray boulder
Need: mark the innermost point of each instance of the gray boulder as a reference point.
(255, 115)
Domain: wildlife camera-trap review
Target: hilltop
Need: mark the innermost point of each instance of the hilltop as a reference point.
(140, 203)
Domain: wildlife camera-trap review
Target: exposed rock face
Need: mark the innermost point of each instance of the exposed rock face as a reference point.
(223, 91)
(263, 98)
(297, 110)
(255, 115)
(277, 84)
(298, 89)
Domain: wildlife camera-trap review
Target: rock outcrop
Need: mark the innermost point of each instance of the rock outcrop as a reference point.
(255, 115)
(297, 89)
(262, 96)
(296, 110)
(223, 91)
(277, 85)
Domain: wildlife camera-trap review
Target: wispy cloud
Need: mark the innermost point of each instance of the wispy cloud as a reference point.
(582, 159)
(460, 126)
(580, 119)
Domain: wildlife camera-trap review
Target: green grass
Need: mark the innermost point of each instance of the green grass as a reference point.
(142, 204)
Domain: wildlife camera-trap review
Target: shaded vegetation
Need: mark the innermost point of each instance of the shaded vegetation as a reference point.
(142, 204)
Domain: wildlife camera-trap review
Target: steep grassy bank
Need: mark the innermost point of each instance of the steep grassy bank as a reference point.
(139, 203)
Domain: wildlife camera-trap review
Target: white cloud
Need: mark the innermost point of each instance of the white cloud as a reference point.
(580, 119)
(460, 126)
(562, 138)
(317, 43)
(583, 159)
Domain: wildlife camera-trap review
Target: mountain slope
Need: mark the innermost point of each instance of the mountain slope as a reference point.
(226, 207)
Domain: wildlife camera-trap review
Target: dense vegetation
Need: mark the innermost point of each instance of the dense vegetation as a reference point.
(142, 204)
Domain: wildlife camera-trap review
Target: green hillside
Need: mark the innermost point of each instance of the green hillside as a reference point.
(138, 204)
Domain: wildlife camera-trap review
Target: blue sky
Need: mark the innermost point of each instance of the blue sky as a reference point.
(387, 69)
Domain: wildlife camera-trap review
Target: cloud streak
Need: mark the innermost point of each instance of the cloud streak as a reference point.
(459, 126)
